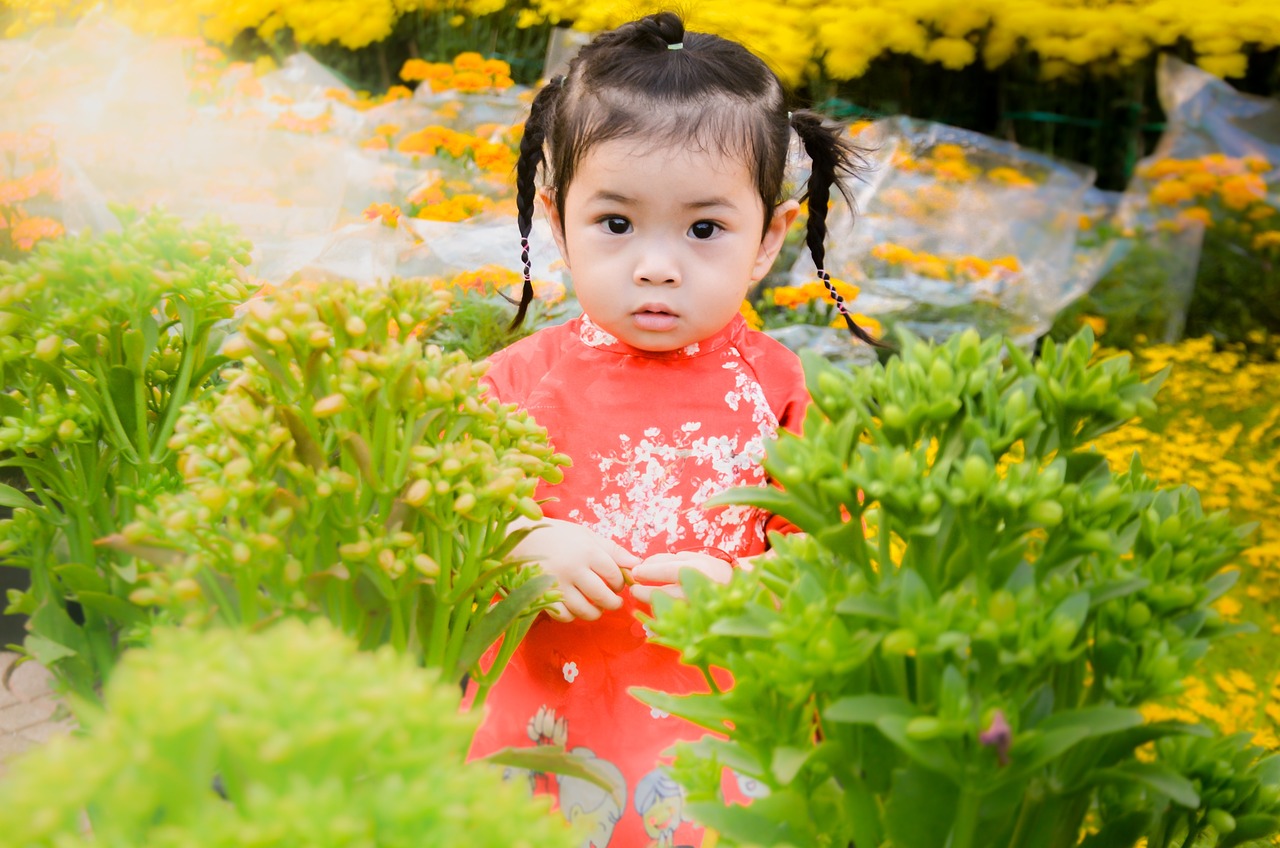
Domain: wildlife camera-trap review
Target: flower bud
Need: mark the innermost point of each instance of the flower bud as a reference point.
(330, 406)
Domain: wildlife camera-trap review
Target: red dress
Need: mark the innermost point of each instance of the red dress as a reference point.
(651, 436)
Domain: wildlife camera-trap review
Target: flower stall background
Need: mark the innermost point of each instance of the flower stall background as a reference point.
(206, 184)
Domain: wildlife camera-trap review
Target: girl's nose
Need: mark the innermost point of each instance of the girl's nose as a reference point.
(657, 267)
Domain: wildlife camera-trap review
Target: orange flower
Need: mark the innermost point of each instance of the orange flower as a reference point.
(389, 213)
(415, 70)
(1171, 193)
(28, 231)
(1197, 214)
(1241, 190)
(1011, 176)
(748, 312)
(468, 61)
(1201, 182)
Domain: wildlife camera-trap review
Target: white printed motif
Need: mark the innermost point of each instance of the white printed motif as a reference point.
(593, 336)
(570, 671)
(645, 496)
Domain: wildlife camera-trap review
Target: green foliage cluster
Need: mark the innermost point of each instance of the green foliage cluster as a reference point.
(956, 649)
(349, 470)
(102, 342)
(277, 739)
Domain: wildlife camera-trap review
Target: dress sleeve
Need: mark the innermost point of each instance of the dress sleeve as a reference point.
(781, 375)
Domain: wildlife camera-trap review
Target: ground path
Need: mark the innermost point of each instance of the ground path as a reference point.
(29, 709)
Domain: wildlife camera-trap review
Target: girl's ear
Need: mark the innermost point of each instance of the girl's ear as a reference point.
(548, 202)
(784, 215)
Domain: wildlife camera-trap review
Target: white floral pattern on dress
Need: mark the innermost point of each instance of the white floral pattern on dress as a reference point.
(641, 480)
(593, 336)
(570, 671)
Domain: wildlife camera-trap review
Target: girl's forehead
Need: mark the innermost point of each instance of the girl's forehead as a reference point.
(624, 156)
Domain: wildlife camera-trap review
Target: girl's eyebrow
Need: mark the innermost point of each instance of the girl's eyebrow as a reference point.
(703, 203)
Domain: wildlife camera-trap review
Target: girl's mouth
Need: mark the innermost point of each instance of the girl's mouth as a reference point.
(654, 319)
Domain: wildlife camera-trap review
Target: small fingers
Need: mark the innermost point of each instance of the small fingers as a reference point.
(644, 594)
(595, 591)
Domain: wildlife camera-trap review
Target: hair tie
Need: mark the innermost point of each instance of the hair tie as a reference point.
(679, 45)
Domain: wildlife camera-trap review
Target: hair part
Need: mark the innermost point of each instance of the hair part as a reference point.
(711, 95)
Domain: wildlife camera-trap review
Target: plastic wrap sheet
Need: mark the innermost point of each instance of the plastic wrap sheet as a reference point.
(1215, 162)
(959, 230)
(371, 252)
(833, 343)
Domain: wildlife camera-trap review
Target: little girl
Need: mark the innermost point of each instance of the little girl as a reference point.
(667, 151)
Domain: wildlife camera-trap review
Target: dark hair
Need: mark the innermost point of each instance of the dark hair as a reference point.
(650, 78)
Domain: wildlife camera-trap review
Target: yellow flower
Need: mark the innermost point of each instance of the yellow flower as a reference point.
(952, 53)
(1228, 66)
(747, 311)
(468, 61)
(1267, 240)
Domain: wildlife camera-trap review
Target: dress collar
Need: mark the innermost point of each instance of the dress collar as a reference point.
(594, 337)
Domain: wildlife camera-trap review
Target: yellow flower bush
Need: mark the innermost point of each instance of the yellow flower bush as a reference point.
(845, 36)
(1219, 431)
(350, 24)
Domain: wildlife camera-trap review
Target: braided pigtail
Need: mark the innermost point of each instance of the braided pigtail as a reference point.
(531, 158)
(833, 157)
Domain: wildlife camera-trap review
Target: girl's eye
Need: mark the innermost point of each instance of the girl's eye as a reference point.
(618, 226)
(703, 230)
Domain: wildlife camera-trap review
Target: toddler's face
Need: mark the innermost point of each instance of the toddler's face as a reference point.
(663, 243)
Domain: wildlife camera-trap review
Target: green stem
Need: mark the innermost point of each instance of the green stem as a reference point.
(966, 823)
(181, 389)
(113, 419)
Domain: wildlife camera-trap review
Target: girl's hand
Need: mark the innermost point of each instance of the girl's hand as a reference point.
(587, 567)
(661, 573)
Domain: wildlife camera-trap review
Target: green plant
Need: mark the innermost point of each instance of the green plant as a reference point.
(955, 651)
(349, 470)
(282, 738)
(102, 341)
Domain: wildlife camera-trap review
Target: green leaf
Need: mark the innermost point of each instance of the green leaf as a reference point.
(787, 762)
(113, 607)
(1123, 832)
(498, 618)
(1100, 594)
(46, 651)
(1158, 776)
(14, 499)
(741, 626)
(742, 825)
(707, 711)
(308, 450)
(866, 709)
(1062, 731)
(935, 756)
(1250, 828)
(79, 578)
(1219, 584)
(920, 810)
(122, 386)
(552, 759)
(867, 606)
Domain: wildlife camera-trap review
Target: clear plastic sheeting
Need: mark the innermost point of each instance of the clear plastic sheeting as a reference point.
(1215, 162)
(286, 156)
(959, 230)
